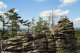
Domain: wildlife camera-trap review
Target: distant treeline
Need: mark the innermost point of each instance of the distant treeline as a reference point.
(78, 35)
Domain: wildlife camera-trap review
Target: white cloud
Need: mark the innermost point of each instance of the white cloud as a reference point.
(39, 0)
(76, 22)
(15, 10)
(1, 13)
(57, 12)
(67, 2)
(2, 5)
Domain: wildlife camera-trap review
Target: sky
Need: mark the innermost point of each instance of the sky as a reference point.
(28, 9)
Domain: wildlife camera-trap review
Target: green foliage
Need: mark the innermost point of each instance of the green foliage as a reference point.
(13, 22)
(41, 25)
(3, 31)
(28, 24)
(4, 34)
(78, 35)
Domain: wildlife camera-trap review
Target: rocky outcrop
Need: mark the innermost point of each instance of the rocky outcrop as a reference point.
(64, 34)
(59, 37)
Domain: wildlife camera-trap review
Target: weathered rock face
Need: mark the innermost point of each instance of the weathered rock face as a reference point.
(60, 37)
(65, 36)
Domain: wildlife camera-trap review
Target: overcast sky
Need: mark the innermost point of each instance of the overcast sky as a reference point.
(35, 8)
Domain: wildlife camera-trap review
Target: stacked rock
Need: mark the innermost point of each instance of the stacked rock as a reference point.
(42, 42)
(65, 38)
